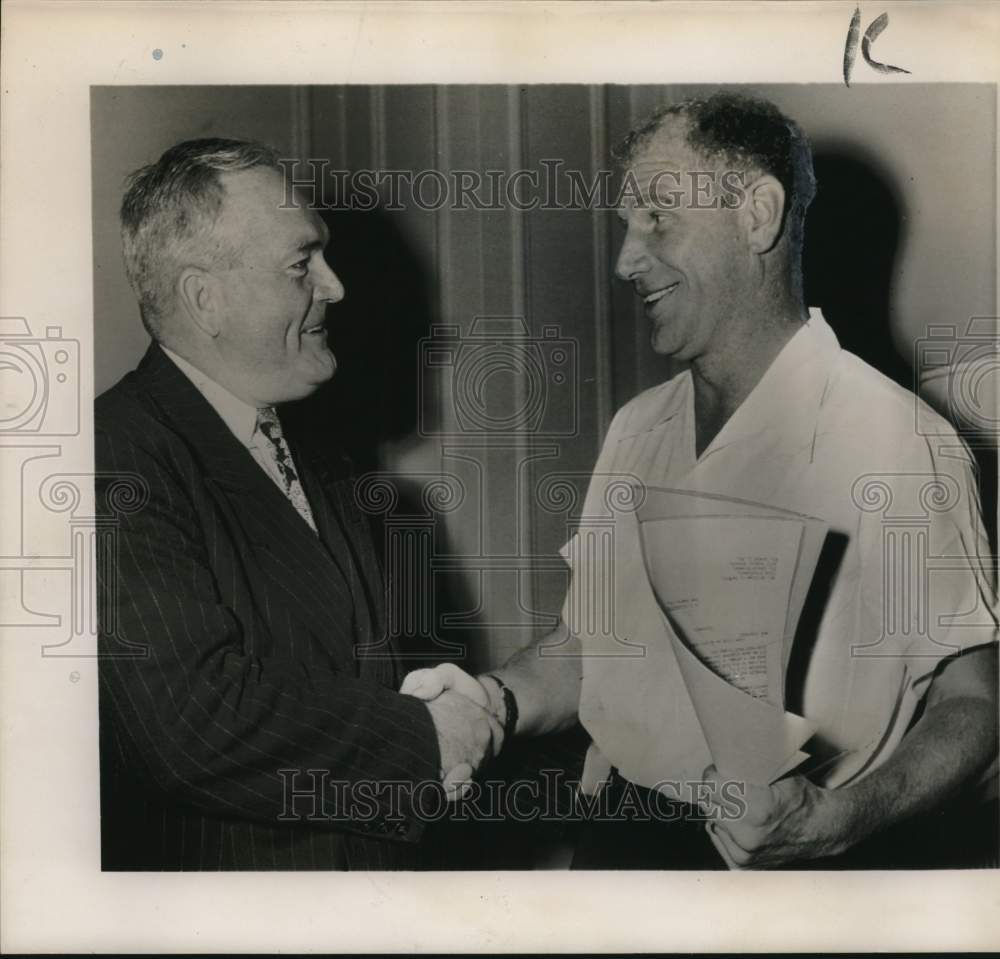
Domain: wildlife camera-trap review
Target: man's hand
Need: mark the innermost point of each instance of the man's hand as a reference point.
(431, 685)
(428, 684)
(792, 820)
(468, 736)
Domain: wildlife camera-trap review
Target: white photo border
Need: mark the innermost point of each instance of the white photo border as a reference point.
(54, 897)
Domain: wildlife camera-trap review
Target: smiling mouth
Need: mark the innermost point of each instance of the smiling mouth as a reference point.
(660, 294)
(315, 329)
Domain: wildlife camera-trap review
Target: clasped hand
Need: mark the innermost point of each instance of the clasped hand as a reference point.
(792, 820)
(469, 734)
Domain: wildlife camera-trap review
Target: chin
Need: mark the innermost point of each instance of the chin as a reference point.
(660, 344)
(325, 368)
(330, 373)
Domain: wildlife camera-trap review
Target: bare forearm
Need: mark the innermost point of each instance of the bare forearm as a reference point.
(545, 677)
(949, 748)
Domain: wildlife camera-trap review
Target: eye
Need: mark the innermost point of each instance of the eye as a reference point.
(302, 266)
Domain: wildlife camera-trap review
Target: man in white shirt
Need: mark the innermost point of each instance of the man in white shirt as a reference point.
(901, 688)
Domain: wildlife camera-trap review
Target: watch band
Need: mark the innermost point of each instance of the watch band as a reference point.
(509, 708)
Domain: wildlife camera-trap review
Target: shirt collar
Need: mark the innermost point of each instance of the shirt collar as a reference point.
(789, 394)
(240, 417)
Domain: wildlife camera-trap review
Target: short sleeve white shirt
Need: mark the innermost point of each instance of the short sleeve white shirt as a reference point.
(906, 582)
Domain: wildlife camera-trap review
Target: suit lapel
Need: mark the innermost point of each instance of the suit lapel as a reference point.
(307, 579)
(330, 488)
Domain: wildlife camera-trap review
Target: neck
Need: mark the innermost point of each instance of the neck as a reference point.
(723, 378)
(208, 363)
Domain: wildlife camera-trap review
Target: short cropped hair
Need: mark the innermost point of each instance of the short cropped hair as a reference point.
(745, 133)
(167, 216)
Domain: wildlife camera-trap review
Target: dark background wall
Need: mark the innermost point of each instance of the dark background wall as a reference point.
(901, 236)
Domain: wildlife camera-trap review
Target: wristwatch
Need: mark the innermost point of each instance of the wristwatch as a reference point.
(509, 707)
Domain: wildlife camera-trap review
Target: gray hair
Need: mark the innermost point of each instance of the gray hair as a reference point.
(167, 216)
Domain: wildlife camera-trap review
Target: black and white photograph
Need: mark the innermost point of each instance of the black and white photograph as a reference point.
(533, 482)
(496, 441)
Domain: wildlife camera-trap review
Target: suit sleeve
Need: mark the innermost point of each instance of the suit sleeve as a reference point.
(217, 729)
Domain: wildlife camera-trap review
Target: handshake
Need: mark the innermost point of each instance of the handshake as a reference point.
(470, 724)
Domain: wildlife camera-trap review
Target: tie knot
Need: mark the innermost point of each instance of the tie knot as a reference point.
(268, 422)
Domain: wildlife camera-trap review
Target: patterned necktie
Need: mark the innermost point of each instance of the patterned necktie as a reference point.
(279, 453)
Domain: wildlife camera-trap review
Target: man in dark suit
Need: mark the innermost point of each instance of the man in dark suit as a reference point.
(249, 712)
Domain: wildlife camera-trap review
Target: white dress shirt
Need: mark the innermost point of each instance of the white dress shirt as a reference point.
(240, 417)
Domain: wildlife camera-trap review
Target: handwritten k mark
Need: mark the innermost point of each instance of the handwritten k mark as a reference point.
(875, 28)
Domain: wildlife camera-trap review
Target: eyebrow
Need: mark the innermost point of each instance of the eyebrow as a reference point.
(644, 204)
(311, 246)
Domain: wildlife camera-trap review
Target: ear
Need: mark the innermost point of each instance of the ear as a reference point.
(765, 205)
(199, 295)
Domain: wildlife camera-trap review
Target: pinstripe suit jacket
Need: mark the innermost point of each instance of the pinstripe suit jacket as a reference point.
(237, 644)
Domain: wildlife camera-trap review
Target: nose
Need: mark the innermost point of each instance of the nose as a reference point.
(327, 287)
(632, 259)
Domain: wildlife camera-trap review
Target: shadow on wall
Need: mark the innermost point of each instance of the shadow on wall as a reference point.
(852, 240)
(375, 332)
